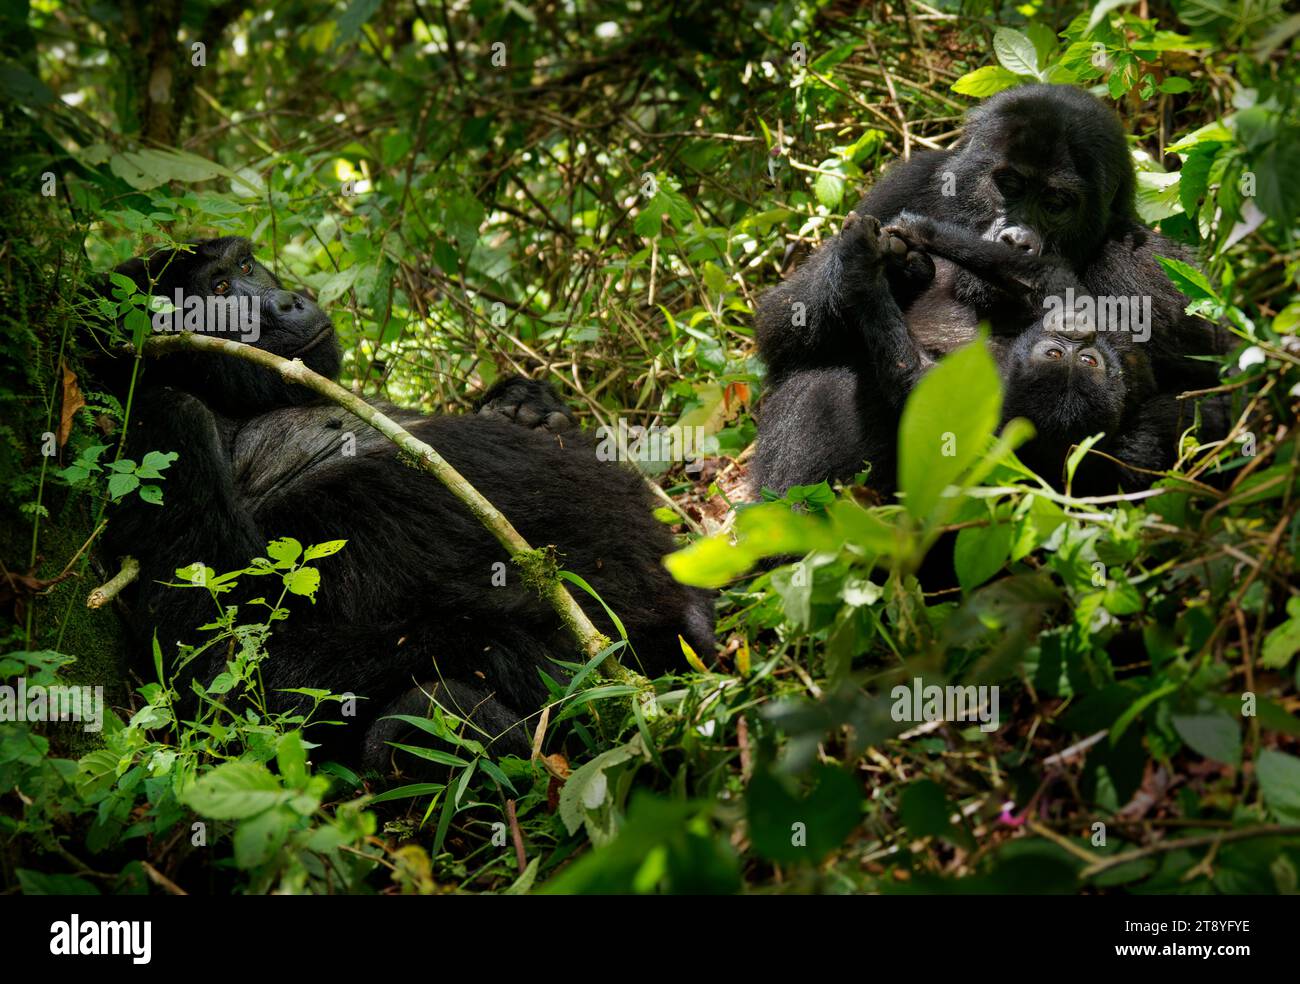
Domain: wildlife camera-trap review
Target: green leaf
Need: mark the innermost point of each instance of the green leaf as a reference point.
(145, 169)
(235, 791)
(120, 484)
(1284, 641)
(1188, 279)
(1103, 9)
(156, 462)
(940, 436)
(1277, 166)
(40, 883)
(1136, 708)
(304, 581)
(408, 792)
(980, 552)
(829, 187)
(926, 812)
(291, 759)
(432, 755)
(284, 551)
(587, 788)
(787, 826)
(328, 549)
(1279, 781)
(1215, 735)
(258, 839)
(1015, 52)
(985, 81)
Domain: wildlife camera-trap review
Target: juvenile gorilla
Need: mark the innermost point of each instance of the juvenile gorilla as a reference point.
(1036, 197)
(412, 598)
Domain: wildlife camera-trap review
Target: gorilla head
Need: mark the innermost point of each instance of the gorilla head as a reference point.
(1045, 169)
(284, 322)
(1070, 381)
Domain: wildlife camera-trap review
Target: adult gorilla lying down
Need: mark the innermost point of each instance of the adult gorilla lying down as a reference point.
(412, 600)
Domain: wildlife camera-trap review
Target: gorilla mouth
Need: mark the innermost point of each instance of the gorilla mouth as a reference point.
(315, 340)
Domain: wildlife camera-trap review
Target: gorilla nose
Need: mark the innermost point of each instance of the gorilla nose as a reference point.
(283, 301)
(1021, 238)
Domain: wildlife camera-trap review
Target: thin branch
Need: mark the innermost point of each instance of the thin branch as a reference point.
(110, 589)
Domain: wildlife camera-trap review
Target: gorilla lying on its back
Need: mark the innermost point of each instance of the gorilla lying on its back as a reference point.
(411, 598)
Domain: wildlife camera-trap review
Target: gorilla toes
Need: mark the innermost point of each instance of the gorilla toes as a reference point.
(529, 403)
(863, 241)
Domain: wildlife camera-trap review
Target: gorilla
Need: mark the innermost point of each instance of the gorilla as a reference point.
(1037, 198)
(415, 599)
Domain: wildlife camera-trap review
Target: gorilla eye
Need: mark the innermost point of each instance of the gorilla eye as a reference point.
(1009, 182)
(246, 266)
(221, 287)
(1058, 201)
(1053, 353)
(1088, 360)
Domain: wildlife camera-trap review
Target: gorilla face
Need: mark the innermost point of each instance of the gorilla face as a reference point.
(1045, 169)
(286, 323)
(1068, 379)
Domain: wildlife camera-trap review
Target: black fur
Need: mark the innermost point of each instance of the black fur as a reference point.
(410, 599)
(1036, 197)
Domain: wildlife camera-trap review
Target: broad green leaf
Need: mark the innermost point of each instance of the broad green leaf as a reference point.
(985, 81)
(304, 581)
(235, 791)
(259, 838)
(947, 424)
(1015, 52)
(120, 484)
(1215, 735)
(787, 825)
(1284, 641)
(1279, 781)
(980, 552)
(327, 549)
(284, 551)
(1188, 279)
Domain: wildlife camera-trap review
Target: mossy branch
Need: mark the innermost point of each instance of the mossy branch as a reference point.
(589, 638)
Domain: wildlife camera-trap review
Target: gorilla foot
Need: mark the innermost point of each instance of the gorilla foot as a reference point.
(528, 402)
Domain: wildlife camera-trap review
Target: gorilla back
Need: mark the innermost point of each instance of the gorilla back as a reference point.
(422, 594)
